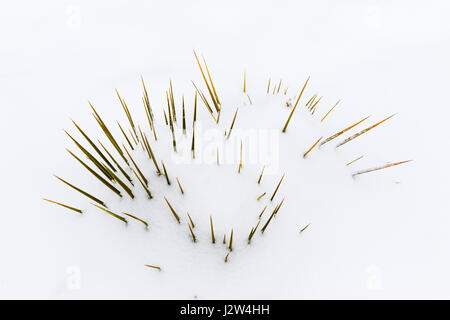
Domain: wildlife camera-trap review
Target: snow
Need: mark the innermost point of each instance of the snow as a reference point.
(379, 235)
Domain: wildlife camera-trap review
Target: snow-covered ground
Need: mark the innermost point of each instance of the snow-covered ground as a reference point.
(380, 235)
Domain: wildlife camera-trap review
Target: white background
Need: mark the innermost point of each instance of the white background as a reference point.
(380, 57)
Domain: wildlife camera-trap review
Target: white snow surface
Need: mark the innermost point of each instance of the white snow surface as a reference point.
(379, 235)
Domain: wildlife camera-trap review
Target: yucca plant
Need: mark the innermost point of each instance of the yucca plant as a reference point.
(138, 160)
